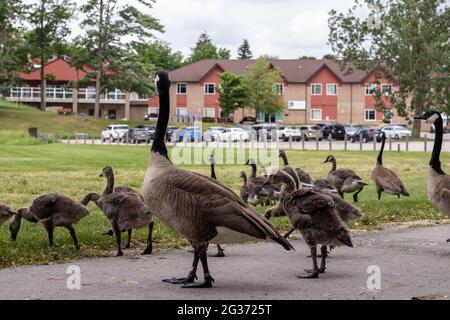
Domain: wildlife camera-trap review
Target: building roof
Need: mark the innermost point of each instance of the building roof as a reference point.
(60, 69)
(294, 71)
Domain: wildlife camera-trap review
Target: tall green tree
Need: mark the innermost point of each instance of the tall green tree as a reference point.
(113, 34)
(49, 22)
(261, 80)
(206, 49)
(244, 51)
(233, 92)
(160, 55)
(404, 40)
(13, 57)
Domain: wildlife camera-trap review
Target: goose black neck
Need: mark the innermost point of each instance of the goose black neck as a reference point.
(109, 184)
(159, 144)
(244, 177)
(285, 159)
(435, 162)
(333, 161)
(380, 154)
(213, 172)
(253, 170)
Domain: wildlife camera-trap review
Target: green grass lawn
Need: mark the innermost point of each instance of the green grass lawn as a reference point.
(31, 170)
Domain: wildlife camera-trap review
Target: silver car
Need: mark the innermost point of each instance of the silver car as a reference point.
(396, 132)
(311, 132)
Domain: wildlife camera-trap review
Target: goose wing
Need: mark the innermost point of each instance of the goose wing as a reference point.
(42, 206)
(304, 176)
(208, 203)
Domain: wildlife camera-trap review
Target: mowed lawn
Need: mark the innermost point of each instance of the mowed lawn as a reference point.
(29, 171)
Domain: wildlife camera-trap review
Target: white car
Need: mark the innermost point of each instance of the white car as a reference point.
(285, 133)
(396, 132)
(114, 132)
(213, 133)
(234, 134)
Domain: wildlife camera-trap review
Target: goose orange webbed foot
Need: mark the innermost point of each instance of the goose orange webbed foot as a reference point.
(189, 279)
(208, 283)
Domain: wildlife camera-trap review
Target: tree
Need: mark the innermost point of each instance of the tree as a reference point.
(261, 80)
(206, 49)
(233, 92)
(48, 19)
(113, 35)
(405, 41)
(13, 57)
(244, 51)
(160, 55)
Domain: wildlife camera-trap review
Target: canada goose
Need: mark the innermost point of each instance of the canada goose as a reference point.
(198, 207)
(220, 250)
(385, 179)
(52, 210)
(302, 175)
(5, 214)
(261, 191)
(124, 210)
(345, 180)
(288, 185)
(438, 180)
(314, 215)
(245, 191)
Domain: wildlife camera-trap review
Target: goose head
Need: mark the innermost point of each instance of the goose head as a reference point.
(107, 172)
(281, 153)
(162, 80)
(250, 162)
(429, 116)
(212, 161)
(242, 175)
(330, 158)
(14, 227)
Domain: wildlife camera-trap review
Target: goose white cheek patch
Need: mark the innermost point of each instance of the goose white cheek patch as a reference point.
(433, 118)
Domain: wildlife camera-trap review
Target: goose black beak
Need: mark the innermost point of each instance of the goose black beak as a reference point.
(101, 175)
(421, 117)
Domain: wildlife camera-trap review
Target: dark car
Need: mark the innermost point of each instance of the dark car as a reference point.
(169, 132)
(366, 135)
(138, 135)
(337, 131)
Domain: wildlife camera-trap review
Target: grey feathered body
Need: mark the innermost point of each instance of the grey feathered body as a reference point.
(314, 215)
(324, 184)
(346, 211)
(5, 214)
(345, 180)
(387, 180)
(439, 190)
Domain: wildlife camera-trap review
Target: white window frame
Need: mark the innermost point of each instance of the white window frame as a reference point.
(178, 87)
(281, 86)
(209, 84)
(367, 118)
(336, 86)
(386, 85)
(205, 109)
(366, 87)
(311, 114)
(179, 109)
(152, 110)
(312, 89)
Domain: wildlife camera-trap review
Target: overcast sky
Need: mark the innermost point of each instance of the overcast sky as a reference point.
(285, 28)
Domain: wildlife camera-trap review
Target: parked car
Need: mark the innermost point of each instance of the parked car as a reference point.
(351, 129)
(170, 132)
(248, 120)
(234, 134)
(285, 133)
(337, 131)
(150, 128)
(114, 132)
(138, 135)
(191, 133)
(270, 129)
(366, 135)
(311, 132)
(213, 133)
(396, 132)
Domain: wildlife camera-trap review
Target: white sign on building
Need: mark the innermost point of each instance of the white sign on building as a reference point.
(296, 105)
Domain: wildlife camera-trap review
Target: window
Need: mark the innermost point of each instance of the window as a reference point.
(279, 89)
(153, 112)
(316, 114)
(386, 89)
(332, 89)
(316, 89)
(210, 88)
(181, 88)
(370, 89)
(181, 111)
(370, 115)
(209, 112)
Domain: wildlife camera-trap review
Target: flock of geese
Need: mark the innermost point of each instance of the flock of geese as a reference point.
(203, 210)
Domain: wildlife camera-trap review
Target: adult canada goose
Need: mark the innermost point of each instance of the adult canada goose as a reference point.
(212, 162)
(245, 191)
(52, 210)
(438, 180)
(345, 180)
(124, 210)
(198, 207)
(314, 215)
(385, 179)
(5, 214)
(301, 175)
